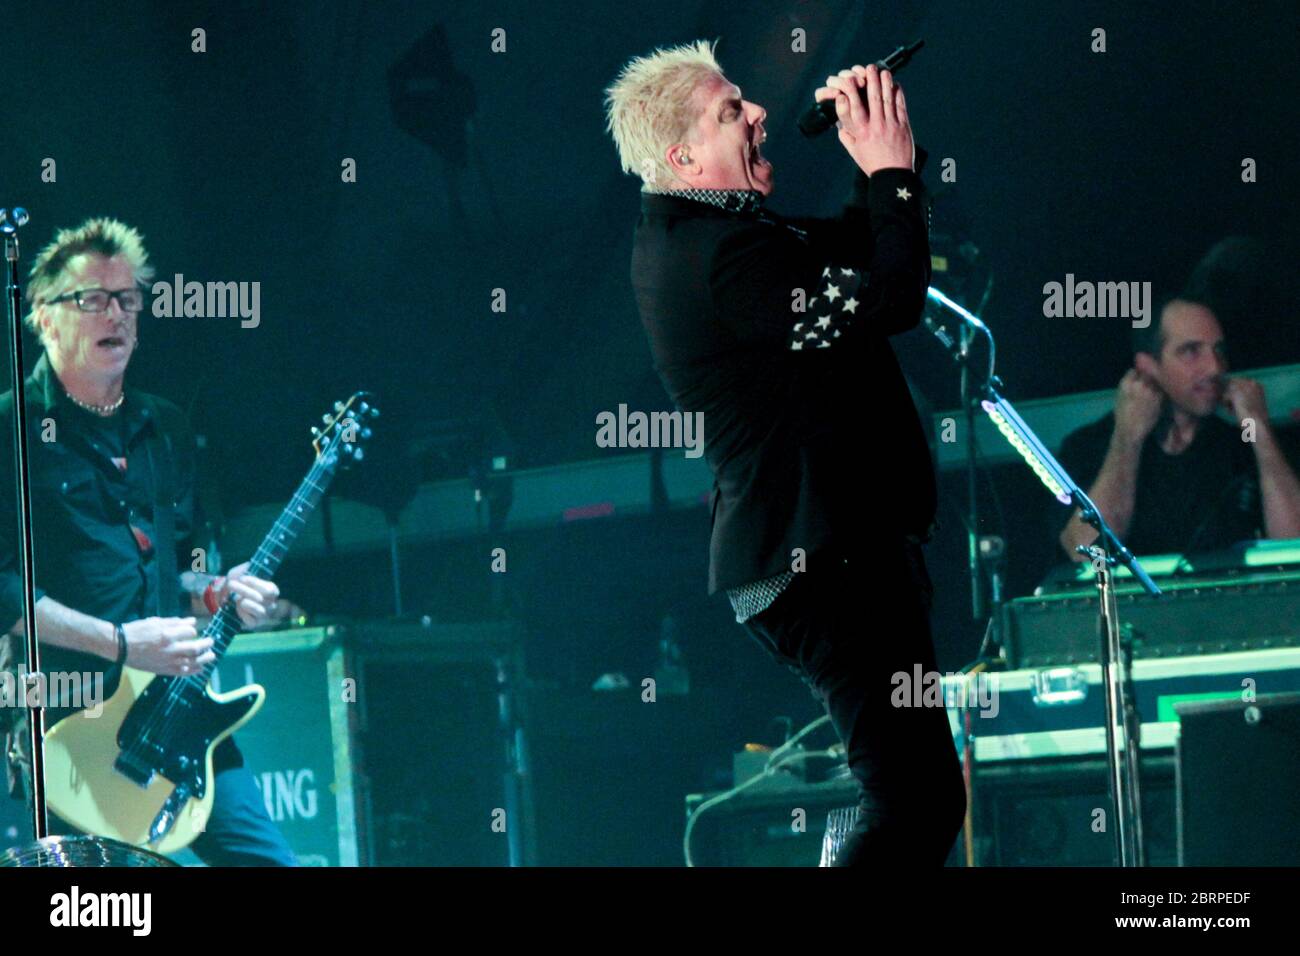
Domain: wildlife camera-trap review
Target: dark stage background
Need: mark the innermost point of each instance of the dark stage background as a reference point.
(1122, 166)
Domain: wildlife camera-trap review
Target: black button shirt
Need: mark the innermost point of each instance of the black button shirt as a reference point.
(84, 505)
(84, 508)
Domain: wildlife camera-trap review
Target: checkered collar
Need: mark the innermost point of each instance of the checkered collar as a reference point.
(732, 200)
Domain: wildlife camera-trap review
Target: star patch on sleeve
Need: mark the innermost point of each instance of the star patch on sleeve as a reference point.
(838, 306)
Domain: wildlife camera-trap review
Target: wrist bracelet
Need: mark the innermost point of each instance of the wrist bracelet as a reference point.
(120, 633)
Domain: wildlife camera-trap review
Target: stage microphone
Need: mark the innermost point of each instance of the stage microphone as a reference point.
(818, 119)
(11, 221)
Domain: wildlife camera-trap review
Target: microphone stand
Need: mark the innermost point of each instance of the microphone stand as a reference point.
(1106, 552)
(9, 225)
(968, 401)
(960, 350)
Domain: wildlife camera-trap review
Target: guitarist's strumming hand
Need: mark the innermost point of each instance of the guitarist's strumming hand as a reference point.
(167, 645)
(255, 598)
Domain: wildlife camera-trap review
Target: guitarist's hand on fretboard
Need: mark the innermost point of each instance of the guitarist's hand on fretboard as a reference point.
(260, 605)
(254, 597)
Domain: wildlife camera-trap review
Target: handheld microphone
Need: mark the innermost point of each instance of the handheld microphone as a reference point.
(818, 119)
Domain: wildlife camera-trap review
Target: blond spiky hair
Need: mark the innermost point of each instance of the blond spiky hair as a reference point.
(103, 236)
(652, 105)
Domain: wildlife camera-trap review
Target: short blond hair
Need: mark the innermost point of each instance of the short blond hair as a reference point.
(102, 236)
(653, 104)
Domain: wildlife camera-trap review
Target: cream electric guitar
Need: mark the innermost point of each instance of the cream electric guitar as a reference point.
(141, 771)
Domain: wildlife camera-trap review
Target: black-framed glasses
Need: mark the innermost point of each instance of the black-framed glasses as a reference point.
(96, 300)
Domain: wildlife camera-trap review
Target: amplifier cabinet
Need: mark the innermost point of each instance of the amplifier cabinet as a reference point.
(1044, 812)
(1239, 782)
(442, 710)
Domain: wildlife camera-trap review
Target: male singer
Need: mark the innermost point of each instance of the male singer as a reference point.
(777, 330)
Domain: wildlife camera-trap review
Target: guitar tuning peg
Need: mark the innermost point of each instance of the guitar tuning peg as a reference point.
(374, 412)
(365, 433)
(325, 419)
(315, 432)
(338, 406)
(358, 453)
(363, 407)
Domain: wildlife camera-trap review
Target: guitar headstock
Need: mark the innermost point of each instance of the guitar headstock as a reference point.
(346, 429)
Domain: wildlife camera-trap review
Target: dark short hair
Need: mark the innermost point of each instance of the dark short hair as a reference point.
(1152, 339)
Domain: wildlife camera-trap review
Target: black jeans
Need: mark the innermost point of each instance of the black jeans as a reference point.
(855, 632)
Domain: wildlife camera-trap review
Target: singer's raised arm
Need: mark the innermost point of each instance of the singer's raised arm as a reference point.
(865, 271)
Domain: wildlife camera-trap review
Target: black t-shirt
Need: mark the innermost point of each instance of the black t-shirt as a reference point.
(1203, 499)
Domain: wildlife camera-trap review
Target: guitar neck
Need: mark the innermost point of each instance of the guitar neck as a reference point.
(225, 624)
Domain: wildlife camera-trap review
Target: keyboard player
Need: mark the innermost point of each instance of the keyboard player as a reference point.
(1168, 474)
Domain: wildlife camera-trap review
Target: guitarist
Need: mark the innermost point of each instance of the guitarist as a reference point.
(112, 492)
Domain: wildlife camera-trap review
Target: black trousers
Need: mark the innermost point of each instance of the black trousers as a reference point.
(855, 632)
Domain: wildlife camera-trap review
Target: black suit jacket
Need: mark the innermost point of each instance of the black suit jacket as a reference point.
(809, 427)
